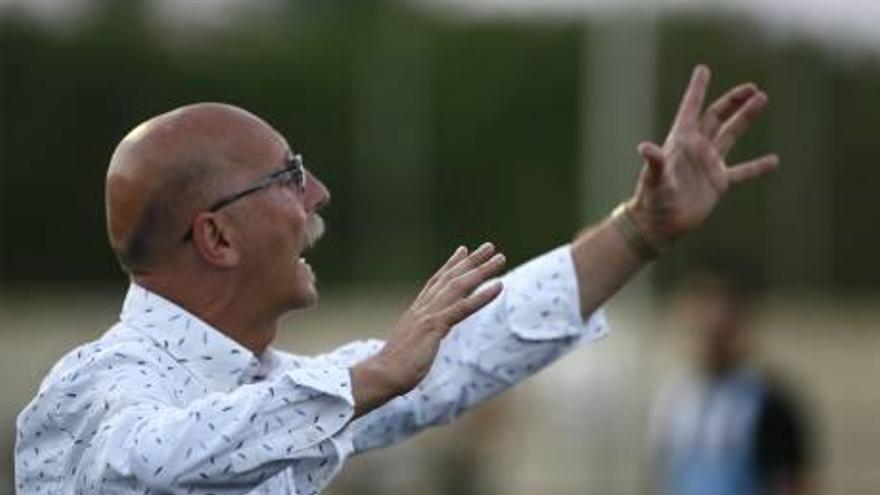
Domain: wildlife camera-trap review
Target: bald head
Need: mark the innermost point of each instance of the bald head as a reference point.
(170, 166)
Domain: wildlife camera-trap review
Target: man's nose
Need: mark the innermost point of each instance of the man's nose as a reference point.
(317, 194)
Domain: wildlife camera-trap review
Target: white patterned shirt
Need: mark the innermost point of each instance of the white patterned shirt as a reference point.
(165, 403)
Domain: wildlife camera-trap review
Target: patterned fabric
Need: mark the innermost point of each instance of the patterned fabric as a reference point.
(164, 403)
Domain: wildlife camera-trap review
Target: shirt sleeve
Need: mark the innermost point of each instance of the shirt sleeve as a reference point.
(126, 428)
(535, 320)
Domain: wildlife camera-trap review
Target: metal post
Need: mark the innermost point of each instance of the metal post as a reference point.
(618, 111)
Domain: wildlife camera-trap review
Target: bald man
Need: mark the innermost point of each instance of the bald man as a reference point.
(210, 211)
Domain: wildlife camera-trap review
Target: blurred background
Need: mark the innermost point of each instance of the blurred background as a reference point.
(440, 122)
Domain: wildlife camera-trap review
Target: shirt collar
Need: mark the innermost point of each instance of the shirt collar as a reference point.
(222, 363)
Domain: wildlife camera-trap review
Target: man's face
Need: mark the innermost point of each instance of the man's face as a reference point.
(277, 227)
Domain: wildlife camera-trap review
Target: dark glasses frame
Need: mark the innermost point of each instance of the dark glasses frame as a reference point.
(293, 173)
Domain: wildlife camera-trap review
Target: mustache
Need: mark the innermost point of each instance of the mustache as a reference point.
(315, 229)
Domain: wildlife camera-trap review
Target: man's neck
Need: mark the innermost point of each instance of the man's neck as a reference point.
(218, 305)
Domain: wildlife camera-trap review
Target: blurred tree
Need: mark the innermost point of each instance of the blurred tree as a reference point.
(430, 133)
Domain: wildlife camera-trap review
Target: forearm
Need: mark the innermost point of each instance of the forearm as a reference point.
(604, 262)
(535, 321)
(601, 262)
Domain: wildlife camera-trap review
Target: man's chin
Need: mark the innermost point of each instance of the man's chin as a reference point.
(305, 285)
(305, 298)
(312, 299)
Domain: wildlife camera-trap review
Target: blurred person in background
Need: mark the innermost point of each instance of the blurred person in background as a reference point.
(210, 211)
(728, 425)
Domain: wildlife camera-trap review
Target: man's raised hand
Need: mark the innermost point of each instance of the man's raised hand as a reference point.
(684, 180)
(448, 297)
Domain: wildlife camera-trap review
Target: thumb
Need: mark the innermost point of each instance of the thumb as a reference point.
(654, 160)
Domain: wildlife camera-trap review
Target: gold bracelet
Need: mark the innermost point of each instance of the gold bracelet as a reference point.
(623, 221)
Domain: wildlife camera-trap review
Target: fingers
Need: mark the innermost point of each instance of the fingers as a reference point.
(479, 256)
(471, 304)
(725, 106)
(692, 102)
(459, 254)
(752, 169)
(740, 121)
(471, 279)
(655, 161)
(462, 265)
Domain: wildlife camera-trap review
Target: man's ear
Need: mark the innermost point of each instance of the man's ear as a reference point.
(213, 240)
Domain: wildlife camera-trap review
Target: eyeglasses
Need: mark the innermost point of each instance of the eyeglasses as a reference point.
(293, 174)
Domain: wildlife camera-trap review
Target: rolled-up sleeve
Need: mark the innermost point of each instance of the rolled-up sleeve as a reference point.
(535, 320)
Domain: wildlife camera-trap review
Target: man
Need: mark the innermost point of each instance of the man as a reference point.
(727, 427)
(210, 212)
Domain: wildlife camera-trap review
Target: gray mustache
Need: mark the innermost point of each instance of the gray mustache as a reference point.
(314, 229)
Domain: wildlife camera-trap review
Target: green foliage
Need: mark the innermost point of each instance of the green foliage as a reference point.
(485, 117)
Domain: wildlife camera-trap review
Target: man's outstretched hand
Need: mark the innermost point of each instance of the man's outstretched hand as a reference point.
(680, 185)
(448, 297)
(683, 181)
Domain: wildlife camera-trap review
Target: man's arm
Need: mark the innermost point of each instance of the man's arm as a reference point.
(681, 183)
(447, 298)
(532, 323)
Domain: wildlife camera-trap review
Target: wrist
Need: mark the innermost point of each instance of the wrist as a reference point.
(630, 222)
(374, 383)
